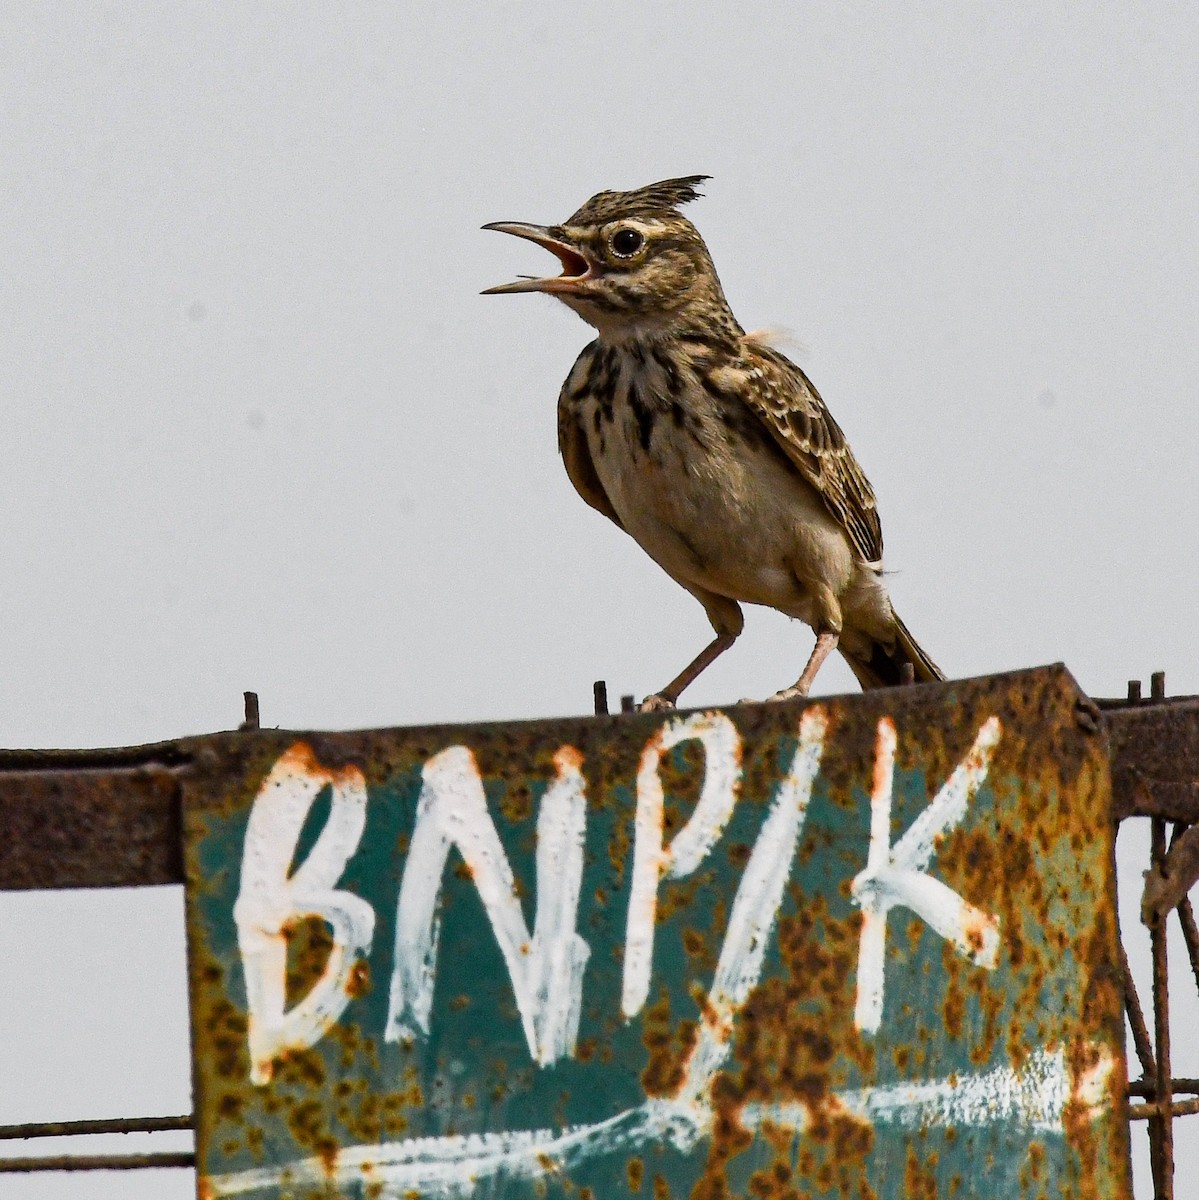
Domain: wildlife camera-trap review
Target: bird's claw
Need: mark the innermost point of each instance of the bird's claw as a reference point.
(791, 693)
(656, 703)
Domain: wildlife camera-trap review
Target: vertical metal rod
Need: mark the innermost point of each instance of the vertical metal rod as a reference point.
(1190, 935)
(1134, 691)
(1186, 914)
(1136, 1019)
(1135, 1013)
(251, 721)
(628, 704)
(1157, 685)
(1161, 1127)
(599, 691)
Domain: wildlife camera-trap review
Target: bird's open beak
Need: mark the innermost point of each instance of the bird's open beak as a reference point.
(575, 268)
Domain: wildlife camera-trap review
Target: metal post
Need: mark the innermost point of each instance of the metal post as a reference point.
(1161, 1126)
(251, 722)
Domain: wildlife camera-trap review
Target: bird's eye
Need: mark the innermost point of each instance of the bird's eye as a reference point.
(626, 242)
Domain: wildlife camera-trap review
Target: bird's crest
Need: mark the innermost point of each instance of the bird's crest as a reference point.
(655, 199)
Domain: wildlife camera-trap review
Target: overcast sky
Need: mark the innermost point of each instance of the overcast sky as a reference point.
(262, 432)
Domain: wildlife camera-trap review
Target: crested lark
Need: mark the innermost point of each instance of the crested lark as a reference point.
(708, 447)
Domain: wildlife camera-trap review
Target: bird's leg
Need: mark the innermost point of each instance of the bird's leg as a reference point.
(727, 621)
(665, 699)
(826, 643)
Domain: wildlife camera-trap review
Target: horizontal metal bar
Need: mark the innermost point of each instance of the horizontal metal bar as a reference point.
(1154, 757)
(1145, 1087)
(98, 1162)
(111, 818)
(1143, 1112)
(41, 1129)
(91, 818)
(168, 755)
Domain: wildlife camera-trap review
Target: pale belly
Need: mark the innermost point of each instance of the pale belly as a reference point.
(722, 513)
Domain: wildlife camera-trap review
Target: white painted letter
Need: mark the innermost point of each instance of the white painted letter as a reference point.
(755, 910)
(546, 969)
(652, 860)
(896, 874)
(269, 903)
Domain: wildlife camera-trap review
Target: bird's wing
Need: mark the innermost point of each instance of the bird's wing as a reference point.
(576, 455)
(784, 398)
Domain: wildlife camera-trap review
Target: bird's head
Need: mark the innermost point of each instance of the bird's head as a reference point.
(631, 262)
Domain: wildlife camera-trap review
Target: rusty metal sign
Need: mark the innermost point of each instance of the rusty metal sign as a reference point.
(862, 947)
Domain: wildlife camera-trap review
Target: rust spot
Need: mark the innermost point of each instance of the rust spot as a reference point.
(619, 847)
(953, 1011)
(636, 1170)
(516, 803)
(738, 854)
(729, 1139)
(669, 1045)
(309, 942)
(359, 981)
(920, 1178)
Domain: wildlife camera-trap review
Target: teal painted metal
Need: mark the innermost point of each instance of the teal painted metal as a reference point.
(863, 947)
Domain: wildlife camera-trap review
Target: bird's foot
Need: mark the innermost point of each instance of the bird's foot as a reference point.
(656, 703)
(794, 692)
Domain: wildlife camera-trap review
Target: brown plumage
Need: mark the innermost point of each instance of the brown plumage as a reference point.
(709, 447)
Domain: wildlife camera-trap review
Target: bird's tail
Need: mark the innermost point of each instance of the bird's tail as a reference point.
(884, 666)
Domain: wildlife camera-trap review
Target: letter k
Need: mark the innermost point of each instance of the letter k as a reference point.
(896, 875)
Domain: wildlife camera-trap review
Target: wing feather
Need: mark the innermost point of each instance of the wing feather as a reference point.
(778, 392)
(576, 456)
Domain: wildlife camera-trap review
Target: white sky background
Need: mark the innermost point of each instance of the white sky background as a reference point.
(262, 432)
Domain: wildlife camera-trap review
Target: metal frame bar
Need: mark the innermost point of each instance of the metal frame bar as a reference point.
(98, 1162)
(39, 1129)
